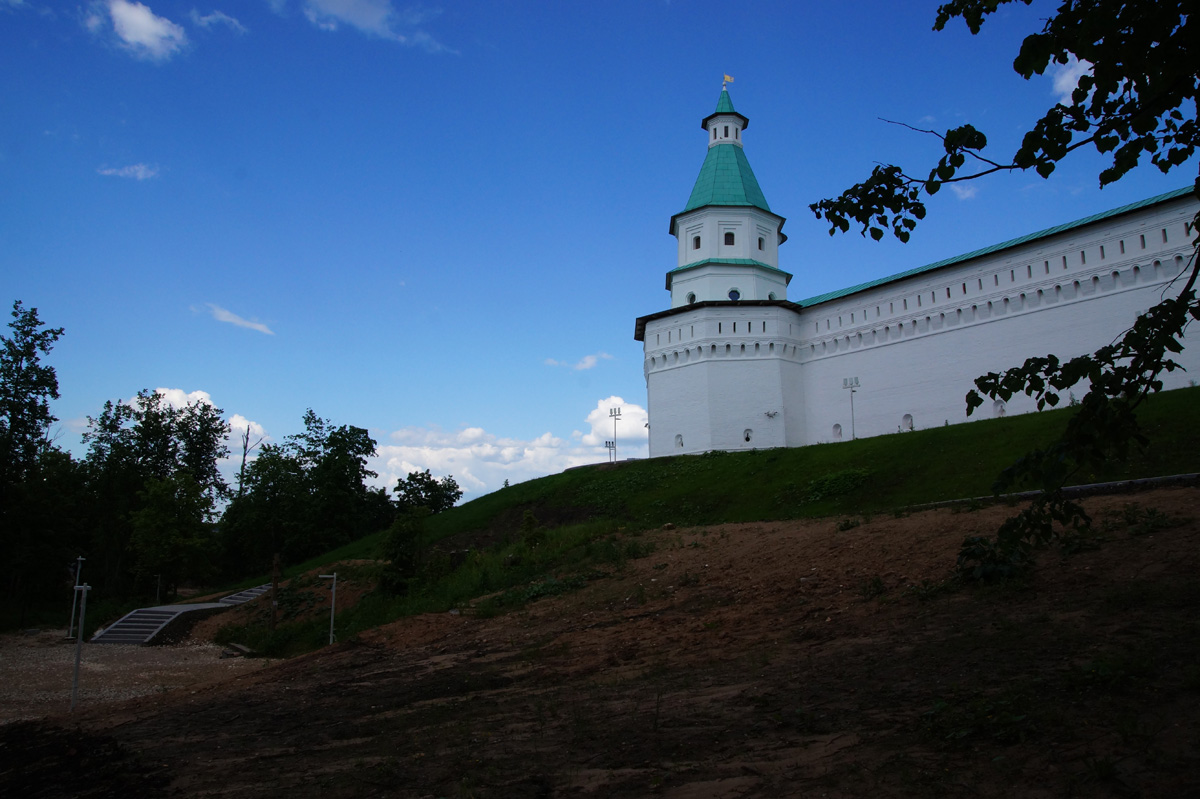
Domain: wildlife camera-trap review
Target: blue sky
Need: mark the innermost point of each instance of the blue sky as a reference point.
(440, 221)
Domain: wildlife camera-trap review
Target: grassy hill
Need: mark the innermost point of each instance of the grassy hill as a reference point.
(554, 534)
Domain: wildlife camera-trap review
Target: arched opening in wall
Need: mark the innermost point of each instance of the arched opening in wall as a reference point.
(1006, 305)
(1021, 301)
(756, 348)
(1116, 276)
(761, 242)
(772, 296)
(695, 242)
(714, 349)
(679, 440)
(837, 432)
(747, 435)
(675, 357)
(999, 408)
(1040, 295)
(1137, 274)
(771, 347)
(691, 298)
(728, 349)
(858, 340)
(1057, 293)
(959, 316)
(1157, 268)
(974, 312)
(742, 350)
(906, 422)
(728, 239)
(1095, 282)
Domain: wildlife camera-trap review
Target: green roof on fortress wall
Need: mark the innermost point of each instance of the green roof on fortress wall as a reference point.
(834, 295)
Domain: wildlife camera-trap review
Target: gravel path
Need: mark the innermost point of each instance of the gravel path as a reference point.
(36, 671)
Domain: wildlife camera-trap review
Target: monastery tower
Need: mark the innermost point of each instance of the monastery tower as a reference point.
(722, 366)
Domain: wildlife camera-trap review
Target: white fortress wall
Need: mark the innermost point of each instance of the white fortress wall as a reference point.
(918, 343)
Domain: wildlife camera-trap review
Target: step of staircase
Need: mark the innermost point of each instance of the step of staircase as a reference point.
(140, 626)
(246, 596)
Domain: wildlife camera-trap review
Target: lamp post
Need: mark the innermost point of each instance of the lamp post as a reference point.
(75, 595)
(332, 602)
(83, 589)
(615, 415)
(852, 384)
(611, 446)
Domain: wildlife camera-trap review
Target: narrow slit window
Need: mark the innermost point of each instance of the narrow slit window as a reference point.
(1164, 232)
(1083, 256)
(761, 242)
(695, 242)
(1101, 252)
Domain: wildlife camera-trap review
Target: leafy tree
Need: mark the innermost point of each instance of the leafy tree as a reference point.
(38, 482)
(26, 388)
(402, 551)
(1138, 100)
(421, 490)
(142, 455)
(305, 496)
(169, 535)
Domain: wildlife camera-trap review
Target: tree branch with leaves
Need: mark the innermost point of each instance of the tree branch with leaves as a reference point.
(1137, 100)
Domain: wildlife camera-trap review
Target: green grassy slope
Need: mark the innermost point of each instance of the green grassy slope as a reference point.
(868, 475)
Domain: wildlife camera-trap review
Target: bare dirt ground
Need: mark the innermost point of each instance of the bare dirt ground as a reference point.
(774, 659)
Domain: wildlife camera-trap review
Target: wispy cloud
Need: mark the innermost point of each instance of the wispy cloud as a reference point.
(138, 29)
(481, 461)
(963, 191)
(216, 18)
(133, 171)
(1066, 78)
(586, 362)
(222, 315)
(374, 17)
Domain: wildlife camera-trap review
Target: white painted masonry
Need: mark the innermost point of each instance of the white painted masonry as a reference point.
(765, 372)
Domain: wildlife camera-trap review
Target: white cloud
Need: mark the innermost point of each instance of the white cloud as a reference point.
(586, 362)
(216, 18)
(964, 191)
(178, 398)
(1066, 78)
(480, 461)
(239, 424)
(222, 315)
(134, 171)
(138, 29)
(630, 429)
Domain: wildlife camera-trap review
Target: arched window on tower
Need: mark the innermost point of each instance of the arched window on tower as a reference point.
(761, 242)
(695, 242)
(728, 239)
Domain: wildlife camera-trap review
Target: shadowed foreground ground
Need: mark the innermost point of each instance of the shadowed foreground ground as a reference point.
(774, 659)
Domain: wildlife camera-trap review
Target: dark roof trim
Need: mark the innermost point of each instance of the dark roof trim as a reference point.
(639, 327)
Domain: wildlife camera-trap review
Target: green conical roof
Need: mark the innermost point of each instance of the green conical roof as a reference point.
(726, 179)
(725, 106)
